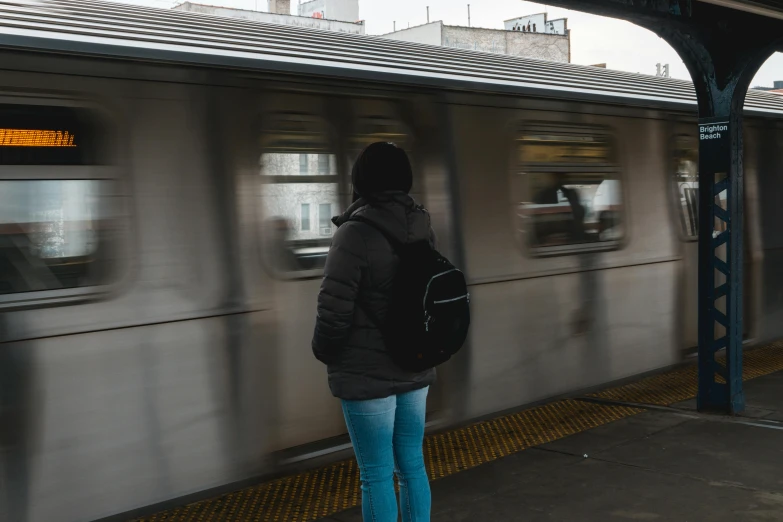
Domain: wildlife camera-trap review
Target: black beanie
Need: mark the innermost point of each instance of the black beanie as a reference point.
(381, 167)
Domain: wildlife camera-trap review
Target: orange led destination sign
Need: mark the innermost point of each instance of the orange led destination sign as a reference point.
(35, 138)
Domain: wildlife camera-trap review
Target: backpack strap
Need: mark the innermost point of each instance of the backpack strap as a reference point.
(396, 245)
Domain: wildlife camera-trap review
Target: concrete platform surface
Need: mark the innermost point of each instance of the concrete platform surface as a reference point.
(662, 465)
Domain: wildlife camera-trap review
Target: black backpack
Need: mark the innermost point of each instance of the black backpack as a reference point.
(429, 314)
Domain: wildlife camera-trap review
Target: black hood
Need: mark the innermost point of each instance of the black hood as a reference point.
(381, 167)
(394, 212)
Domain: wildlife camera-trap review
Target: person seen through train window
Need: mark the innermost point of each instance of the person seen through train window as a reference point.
(383, 405)
(280, 255)
(549, 196)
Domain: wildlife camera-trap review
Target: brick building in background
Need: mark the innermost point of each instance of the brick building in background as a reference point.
(329, 15)
(531, 36)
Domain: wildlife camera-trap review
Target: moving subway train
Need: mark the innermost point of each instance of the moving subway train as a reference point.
(167, 181)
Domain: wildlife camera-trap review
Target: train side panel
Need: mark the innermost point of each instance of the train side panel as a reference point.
(550, 325)
(156, 390)
(764, 141)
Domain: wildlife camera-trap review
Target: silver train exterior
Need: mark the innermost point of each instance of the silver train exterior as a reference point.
(168, 352)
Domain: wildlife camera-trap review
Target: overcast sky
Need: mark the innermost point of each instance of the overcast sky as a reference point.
(594, 39)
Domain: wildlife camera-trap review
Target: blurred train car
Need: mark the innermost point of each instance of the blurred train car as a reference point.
(167, 181)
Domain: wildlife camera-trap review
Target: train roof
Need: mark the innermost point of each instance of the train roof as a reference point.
(105, 29)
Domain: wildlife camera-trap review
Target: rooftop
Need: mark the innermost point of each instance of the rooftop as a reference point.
(219, 8)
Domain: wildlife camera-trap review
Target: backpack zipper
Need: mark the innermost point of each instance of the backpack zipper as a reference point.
(442, 301)
(428, 317)
(427, 291)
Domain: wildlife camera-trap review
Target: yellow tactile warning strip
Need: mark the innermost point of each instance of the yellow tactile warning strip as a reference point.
(681, 384)
(453, 451)
(324, 491)
(318, 493)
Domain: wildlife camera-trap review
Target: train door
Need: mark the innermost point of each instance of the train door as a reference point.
(308, 145)
(684, 172)
(303, 186)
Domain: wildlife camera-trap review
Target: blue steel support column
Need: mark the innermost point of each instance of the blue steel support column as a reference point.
(720, 152)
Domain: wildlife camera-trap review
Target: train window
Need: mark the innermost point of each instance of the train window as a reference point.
(49, 231)
(686, 184)
(299, 168)
(567, 191)
(53, 209)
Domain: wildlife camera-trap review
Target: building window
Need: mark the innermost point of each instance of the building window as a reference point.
(305, 217)
(303, 169)
(323, 164)
(568, 191)
(325, 218)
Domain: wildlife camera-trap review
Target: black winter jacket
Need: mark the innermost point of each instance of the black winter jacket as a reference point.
(358, 276)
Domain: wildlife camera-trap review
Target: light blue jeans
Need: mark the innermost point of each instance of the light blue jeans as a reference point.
(387, 436)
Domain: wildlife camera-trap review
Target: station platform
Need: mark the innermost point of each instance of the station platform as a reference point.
(638, 451)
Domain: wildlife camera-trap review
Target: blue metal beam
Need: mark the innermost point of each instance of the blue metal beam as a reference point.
(720, 256)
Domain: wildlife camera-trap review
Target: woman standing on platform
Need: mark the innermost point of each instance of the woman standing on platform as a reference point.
(384, 406)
